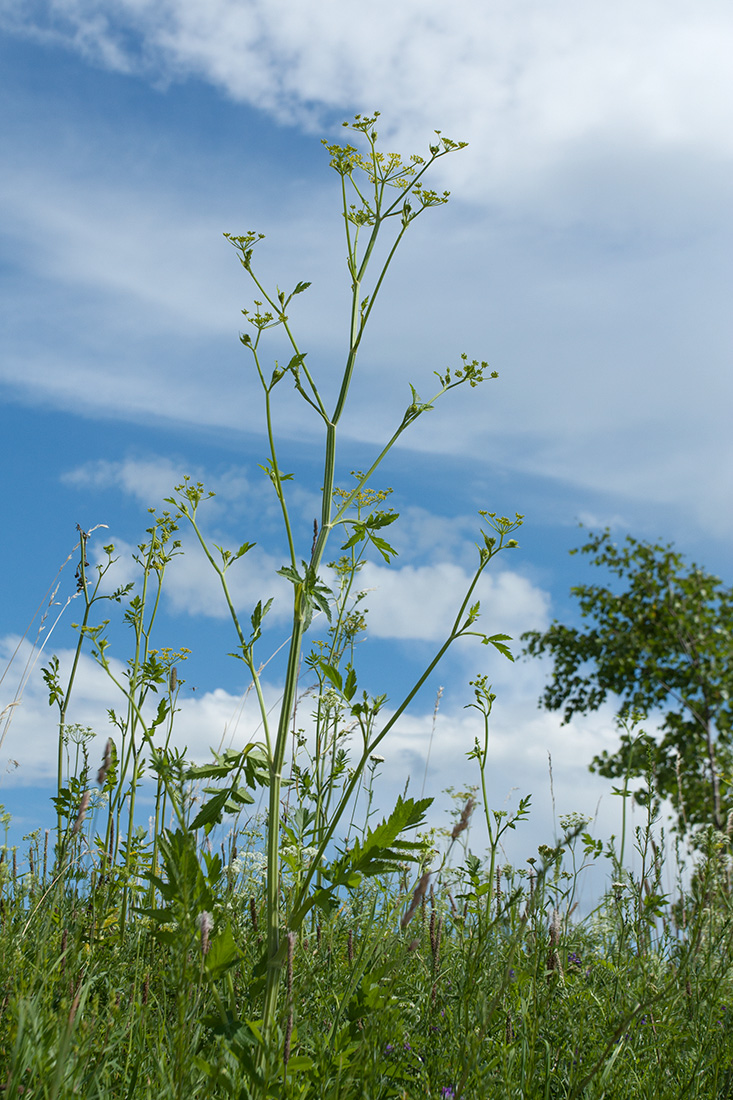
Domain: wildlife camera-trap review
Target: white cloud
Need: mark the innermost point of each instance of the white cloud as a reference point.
(244, 506)
(530, 82)
(531, 753)
(411, 601)
(121, 239)
(148, 481)
(152, 479)
(421, 602)
(587, 255)
(192, 587)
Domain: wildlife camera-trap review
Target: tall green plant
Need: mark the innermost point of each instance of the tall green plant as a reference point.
(68, 800)
(379, 192)
(307, 871)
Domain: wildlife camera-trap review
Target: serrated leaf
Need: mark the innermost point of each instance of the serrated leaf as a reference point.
(381, 519)
(316, 595)
(296, 362)
(258, 615)
(350, 685)
(290, 574)
(383, 849)
(228, 761)
(331, 673)
(223, 953)
(212, 811)
(244, 549)
(384, 548)
(358, 535)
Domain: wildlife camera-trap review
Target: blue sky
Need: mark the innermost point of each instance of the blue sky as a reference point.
(586, 253)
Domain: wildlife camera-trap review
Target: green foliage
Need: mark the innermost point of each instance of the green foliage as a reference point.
(517, 998)
(658, 641)
(250, 763)
(383, 849)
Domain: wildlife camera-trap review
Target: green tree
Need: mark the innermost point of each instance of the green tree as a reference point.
(659, 641)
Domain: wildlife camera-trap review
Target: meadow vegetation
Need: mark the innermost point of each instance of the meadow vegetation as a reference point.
(319, 948)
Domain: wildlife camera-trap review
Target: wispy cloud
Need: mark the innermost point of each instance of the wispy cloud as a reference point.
(536, 83)
(421, 602)
(587, 254)
(148, 481)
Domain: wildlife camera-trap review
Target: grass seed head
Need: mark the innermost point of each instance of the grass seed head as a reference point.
(462, 824)
(106, 762)
(417, 897)
(82, 813)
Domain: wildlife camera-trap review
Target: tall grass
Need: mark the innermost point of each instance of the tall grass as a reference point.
(313, 950)
(460, 985)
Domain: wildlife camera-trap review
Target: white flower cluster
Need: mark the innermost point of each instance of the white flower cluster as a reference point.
(249, 865)
(290, 851)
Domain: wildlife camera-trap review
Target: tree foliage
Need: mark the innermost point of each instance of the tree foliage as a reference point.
(659, 641)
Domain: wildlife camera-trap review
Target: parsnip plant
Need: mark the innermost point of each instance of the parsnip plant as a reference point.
(381, 195)
(379, 192)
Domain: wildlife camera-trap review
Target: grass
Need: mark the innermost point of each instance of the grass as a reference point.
(466, 985)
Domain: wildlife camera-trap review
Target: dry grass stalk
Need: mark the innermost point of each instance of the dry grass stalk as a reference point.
(462, 824)
(206, 926)
(106, 763)
(436, 928)
(83, 807)
(432, 932)
(553, 959)
(417, 897)
(74, 1006)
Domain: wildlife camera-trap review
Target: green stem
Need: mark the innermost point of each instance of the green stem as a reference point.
(274, 966)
